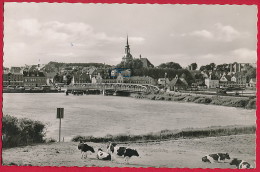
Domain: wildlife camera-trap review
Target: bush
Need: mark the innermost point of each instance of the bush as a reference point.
(18, 132)
(178, 98)
(251, 104)
(203, 100)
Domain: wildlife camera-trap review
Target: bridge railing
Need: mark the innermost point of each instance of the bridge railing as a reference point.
(113, 86)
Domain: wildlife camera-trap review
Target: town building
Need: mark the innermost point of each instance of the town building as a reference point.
(146, 62)
(123, 71)
(34, 79)
(97, 79)
(79, 77)
(143, 80)
(177, 84)
(50, 78)
(211, 83)
(163, 81)
(13, 77)
(252, 82)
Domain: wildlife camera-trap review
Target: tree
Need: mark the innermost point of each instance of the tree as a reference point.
(57, 78)
(223, 68)
(208, 67)
(202, 68)
(170, 65)
(212, 66)
(194, 66)
(199, 76)
(69, 79)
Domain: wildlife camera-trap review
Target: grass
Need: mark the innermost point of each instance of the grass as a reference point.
(171, 134)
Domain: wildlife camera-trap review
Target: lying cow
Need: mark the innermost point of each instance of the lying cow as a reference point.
(218, 157)
(103, 155)
(121, 151)
(84, 149)
(240, 164)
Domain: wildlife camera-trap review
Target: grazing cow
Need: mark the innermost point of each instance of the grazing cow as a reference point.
(121, 151)
(218, 157)
(84, 149)
(103, 155)
(240, 164)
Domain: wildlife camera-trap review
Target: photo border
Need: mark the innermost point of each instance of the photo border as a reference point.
(134, 169)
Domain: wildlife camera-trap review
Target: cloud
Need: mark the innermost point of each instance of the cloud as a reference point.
(136, 39)
(72, 32)
(220, 32)
(30, 27)
(203, 33)
(244, 55)
(226, 33)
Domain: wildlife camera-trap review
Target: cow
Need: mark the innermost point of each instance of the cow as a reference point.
(121, 151)
(84, 149)
(103, 155)
(218, 157)
(240, 164)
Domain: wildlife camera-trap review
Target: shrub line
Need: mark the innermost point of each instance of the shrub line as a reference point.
(241, 102)
(165, 135)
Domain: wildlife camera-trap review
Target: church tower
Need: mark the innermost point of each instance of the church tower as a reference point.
(127, 56)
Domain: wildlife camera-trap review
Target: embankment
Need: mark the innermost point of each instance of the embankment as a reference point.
(171, 134)
(241, 102)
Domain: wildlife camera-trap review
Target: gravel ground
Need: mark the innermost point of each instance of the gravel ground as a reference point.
(182, 153)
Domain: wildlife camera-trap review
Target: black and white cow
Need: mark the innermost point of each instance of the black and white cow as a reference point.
(84, 149)
(121, 151)
(218, 157)
(103, 155)
(240, 164)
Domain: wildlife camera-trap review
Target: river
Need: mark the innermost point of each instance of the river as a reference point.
(99, 115)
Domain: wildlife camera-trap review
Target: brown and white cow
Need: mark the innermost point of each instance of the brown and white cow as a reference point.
(240, 164)
(121, 151)
(218, 157)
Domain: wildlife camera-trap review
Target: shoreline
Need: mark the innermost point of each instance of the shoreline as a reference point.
(166, 135)
(238, 102)
(207, 99)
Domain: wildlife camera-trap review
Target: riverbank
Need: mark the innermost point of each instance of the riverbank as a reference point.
(164, 135)
(241, 102)
(182, 153)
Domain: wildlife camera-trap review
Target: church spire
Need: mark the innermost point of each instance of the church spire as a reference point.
(127, 47)
(127, 41)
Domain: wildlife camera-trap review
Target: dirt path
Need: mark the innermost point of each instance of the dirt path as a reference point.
(176, 153)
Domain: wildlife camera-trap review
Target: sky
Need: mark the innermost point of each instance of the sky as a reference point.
(36, 33)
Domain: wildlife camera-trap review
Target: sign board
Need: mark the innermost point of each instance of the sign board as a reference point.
(60, 112)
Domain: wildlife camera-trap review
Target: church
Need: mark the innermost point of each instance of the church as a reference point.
(128, 57)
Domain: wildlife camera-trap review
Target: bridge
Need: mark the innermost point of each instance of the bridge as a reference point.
(115, 87)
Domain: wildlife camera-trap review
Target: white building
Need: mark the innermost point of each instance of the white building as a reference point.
(211, 83)
(163, 81)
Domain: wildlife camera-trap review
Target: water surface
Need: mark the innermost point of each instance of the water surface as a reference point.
(99, 115)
